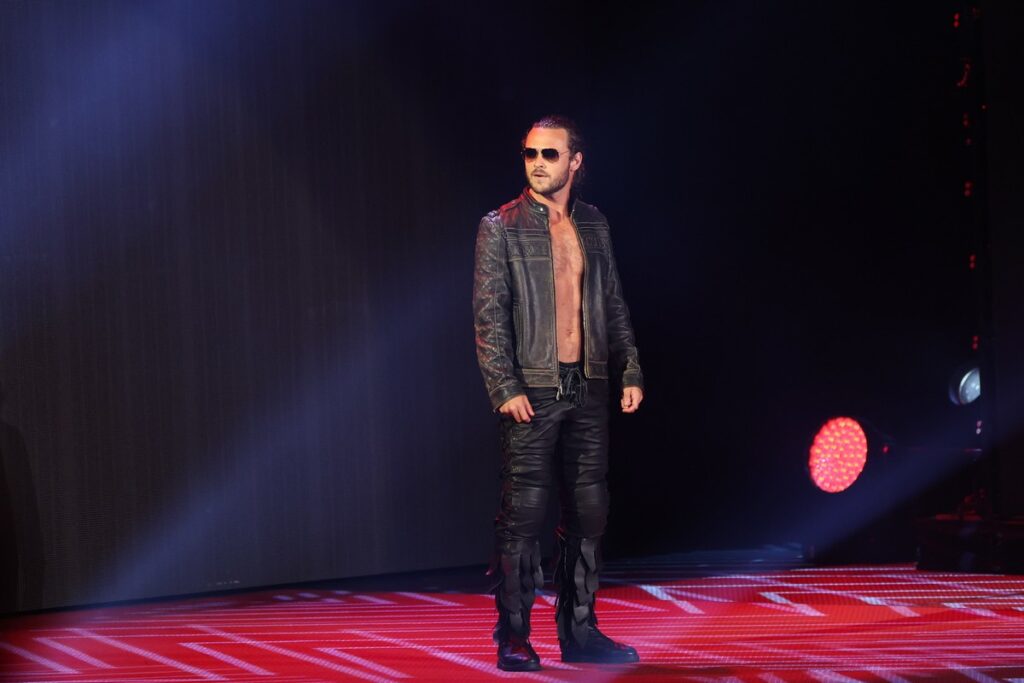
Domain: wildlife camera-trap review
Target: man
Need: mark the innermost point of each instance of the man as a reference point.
(552, 329)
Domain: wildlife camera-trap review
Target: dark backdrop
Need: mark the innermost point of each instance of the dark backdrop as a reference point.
(236, 249)
(1004, 56)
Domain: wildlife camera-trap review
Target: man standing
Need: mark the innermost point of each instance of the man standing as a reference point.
(552, 329)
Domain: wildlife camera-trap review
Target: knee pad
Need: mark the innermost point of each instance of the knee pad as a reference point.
(586, 513)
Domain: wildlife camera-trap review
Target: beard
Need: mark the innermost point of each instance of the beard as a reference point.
(548, 185)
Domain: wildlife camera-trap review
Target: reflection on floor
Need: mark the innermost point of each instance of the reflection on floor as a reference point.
(712, 616)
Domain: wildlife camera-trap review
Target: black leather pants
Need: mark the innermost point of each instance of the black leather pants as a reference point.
(563, 448)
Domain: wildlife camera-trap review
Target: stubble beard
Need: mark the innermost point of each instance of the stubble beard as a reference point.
(547, 186)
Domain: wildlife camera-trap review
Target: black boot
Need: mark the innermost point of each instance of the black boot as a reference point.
(599, 649)
(516, 654)
(577, 579)
(519, 574)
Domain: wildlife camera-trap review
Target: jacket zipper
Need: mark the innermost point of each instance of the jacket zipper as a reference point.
(554, 303)
(583, 290)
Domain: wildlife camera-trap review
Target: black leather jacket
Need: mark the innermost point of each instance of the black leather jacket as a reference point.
(514, 301)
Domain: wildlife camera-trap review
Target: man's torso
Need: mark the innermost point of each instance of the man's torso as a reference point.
(568, 265)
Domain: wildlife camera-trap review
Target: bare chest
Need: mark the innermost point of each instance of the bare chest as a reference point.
(565, 250)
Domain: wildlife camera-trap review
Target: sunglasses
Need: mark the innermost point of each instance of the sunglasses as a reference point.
(549, 153)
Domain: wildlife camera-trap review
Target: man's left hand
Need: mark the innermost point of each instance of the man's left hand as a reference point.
(631, 397)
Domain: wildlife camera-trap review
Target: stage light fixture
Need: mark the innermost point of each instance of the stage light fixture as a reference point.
(965, 386)
(838, 454)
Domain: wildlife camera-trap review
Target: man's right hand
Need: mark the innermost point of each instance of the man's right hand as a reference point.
(517, 407)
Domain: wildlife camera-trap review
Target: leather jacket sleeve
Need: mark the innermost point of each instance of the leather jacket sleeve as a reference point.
(624, 364)
(492, 311)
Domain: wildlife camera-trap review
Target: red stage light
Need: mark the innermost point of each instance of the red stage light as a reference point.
(838, 454)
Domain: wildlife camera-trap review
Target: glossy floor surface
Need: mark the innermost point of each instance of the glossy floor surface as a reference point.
(694, 617)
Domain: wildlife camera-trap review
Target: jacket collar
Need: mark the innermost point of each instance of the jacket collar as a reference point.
(536, 207)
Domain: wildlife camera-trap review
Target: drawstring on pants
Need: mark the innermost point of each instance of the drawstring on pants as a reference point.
(571, 384)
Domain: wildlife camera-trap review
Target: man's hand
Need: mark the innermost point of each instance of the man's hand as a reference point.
(631, 397)
(518, 407)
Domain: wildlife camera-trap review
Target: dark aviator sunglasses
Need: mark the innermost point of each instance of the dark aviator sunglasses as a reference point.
(549, 153)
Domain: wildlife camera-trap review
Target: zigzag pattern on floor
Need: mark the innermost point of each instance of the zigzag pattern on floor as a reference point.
(690, 622)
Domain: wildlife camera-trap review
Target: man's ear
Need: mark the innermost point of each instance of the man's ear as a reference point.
(576, 161)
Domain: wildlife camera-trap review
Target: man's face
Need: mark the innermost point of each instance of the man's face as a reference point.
(546, 177)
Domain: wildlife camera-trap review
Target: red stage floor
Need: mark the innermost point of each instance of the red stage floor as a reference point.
(689, 622)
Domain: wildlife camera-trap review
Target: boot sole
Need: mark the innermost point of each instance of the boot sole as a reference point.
(525, 666)
(599, 660)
